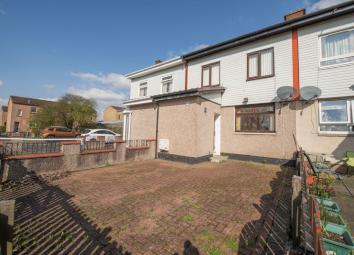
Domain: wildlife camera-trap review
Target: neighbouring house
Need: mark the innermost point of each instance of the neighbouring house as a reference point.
(19, 112)
(113, 118)
(113, 113)
(225, 98)
(3, 116)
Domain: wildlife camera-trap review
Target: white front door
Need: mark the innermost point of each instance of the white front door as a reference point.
(217, 134)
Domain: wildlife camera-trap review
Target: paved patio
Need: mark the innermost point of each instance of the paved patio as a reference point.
(147, 207)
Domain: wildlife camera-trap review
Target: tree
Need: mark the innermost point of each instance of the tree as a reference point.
(71, 111)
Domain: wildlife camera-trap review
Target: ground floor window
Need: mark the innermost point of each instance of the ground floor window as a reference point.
(336, 116)
(256, 118)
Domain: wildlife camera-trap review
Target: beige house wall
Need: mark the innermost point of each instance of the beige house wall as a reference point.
(333, 145)
(188, 124)
(111, 114)
(280, 144)
(143, 121)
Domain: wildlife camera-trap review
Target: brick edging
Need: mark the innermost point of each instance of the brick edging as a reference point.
(97, 151)
(39, 155)
(138, 148)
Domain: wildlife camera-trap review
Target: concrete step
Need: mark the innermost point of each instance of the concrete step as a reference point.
(218, 158)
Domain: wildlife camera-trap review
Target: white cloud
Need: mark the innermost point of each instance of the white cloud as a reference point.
(49, 98)
(321, 4)
(114, 79)
(103, 97)
(1, 83)
(3, 101)
(173, 54)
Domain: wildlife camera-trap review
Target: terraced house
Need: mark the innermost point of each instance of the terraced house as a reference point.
(225, 98)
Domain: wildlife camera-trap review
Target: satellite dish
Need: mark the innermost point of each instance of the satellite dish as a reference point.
(285, 93)
(309, 92)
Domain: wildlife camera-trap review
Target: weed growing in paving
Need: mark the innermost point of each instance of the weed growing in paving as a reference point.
(232, 245)
(187, 218)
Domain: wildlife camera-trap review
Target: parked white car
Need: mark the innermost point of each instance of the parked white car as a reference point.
(100, 135)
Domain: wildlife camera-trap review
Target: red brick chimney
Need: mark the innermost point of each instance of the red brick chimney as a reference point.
(158, 61)
(294, 14)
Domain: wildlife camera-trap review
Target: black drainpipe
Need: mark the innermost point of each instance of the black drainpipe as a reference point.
(157, 129)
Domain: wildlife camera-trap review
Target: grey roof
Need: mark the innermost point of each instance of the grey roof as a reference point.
(314, 17)
(29, 101)
(4, 108)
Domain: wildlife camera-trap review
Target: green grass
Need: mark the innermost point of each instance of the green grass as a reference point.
(214, 251)
(232, 245)
(187, 218)
(206, 235)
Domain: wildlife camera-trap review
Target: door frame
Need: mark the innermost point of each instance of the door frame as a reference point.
(217, 134)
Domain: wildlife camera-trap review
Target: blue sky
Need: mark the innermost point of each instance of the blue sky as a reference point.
(48, 48)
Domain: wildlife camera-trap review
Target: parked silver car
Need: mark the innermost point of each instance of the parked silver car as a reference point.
(100, 135)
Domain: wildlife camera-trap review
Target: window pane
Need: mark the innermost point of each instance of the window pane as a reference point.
(266, 122)
(166, 86)
(215, 73)
(253, 65)
(246, 123)
(338, 44)
(334, 111)
(205, 81)
(267, 62)
(334, 127)
(143, 91)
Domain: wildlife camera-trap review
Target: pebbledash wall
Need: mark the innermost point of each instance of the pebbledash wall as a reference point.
(191, 137)
(72, 159)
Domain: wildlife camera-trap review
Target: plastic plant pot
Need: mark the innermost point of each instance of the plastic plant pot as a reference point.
(335, 228)
(329, 204)
(339, 248)
(339, 223)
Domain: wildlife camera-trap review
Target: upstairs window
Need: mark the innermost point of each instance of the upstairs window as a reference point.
(33, 109)
(337, 48)
(257, 118)
(167, 84)
(211, 74)
(260, 64)
(19, 113)
(336, 116)
(143, 89)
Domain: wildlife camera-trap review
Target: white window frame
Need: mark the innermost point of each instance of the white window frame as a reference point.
(321, 59)
(350, 117)
(143, 85)
(168, 78)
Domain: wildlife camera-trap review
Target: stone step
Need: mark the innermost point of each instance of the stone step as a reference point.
(218, 158)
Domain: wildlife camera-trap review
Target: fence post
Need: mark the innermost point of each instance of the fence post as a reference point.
(4, 170)
(7, 218)
(296, 199)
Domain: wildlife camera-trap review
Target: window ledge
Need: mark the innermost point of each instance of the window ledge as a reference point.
(336, 134)
(336, 65)
(255, 133)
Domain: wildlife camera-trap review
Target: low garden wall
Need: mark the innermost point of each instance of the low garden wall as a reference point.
(70, 156)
